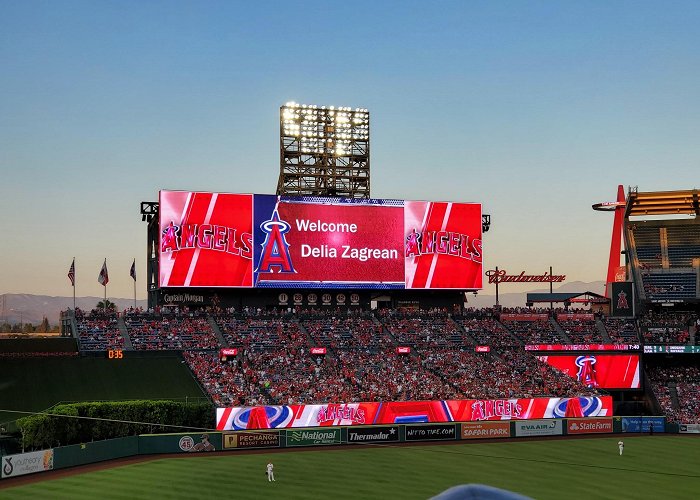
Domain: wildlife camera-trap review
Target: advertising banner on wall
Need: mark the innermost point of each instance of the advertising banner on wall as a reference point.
(431, 432)
(313, 437)
(267, 241)
(609, 371)
(539, 428)
(642, 424)
(689, 428)
(582, 347)
(589, 425)
(523, 317)
(26, 463)
(373, 434)
(407, 412)
(485, 430)
(245, 440)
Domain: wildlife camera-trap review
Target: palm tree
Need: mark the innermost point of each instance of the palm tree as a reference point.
(106, 305)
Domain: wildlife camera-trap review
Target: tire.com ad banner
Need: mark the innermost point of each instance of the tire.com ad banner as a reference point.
(407, 412)
(267, 241)
(609, 371)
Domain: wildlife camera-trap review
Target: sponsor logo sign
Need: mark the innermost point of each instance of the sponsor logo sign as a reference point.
(483, 348)
(228, 351)
(263, 439)
(318, 350)
(373, 434)
(403, 350)
(313, 437)
(27, 463)
(538, 428)
(690, 428)
(583, 347)
(485, 430)
(501, 276)
(641, 424)
(589, 426)
(430, 432)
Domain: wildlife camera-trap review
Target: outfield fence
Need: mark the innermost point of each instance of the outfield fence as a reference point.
(202, 442)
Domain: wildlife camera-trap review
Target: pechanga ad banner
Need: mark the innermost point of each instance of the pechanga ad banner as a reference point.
(409, 412)
(267, 241)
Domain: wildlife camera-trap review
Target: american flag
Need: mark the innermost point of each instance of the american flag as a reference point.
(132, 273)
(71, 273)
(103, 278)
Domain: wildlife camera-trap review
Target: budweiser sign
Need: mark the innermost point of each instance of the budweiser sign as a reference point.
(501, 276)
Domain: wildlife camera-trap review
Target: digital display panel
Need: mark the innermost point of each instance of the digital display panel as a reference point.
(268, 241)
(409, 412)
(608, 371)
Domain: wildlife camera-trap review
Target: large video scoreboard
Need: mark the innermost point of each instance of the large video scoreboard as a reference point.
(268, 241)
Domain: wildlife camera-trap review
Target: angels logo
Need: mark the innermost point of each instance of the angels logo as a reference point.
(443, 243)
(586, 371)
(622, 300)
(275, 252)
(207, 237)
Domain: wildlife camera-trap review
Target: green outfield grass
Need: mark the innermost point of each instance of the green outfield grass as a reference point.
(653, 467)
(35, 384)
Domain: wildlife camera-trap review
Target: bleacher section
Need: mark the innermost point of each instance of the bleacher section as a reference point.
(170, 332)
(99, 332)
(622, 331)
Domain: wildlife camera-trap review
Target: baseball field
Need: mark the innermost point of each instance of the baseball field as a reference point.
(655, 467)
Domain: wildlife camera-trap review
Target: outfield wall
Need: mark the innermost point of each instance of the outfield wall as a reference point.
(199, 442)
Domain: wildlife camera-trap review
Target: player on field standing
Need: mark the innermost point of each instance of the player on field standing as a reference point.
(621, 445)
(270, 472)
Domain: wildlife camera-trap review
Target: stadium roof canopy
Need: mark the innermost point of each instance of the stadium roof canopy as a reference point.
(585, 297)
(663, 203)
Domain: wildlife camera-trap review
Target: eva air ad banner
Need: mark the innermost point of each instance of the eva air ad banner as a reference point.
(538, 428)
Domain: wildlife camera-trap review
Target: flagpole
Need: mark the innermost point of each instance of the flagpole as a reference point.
(134, 285)
(105, 285)
(74, 285)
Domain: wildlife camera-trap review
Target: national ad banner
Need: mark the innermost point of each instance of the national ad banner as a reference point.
(256, 439)
(373, 434)
(589, 425)
(485, 430)
(409, 412)
(609, 371)
(27, 463)
(431, 432)
(313, 437)
(539, 428)
(267, 241)
(582, 347)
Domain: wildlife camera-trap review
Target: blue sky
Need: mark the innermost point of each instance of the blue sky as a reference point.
(535, 109)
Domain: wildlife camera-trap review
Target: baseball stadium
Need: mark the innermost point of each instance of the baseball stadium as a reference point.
(329, 334)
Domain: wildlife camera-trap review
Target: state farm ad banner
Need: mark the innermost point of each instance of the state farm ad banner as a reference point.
(609, 371)
(406, 412)
(523, 317)
(589, 425)
(245, 240)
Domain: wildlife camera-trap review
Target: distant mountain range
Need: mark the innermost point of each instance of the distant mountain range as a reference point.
(16, 308)
(27, 308)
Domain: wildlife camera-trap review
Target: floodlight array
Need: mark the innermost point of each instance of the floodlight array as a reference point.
(325, 130)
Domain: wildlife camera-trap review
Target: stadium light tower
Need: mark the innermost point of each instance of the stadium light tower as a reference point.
(324, 151)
